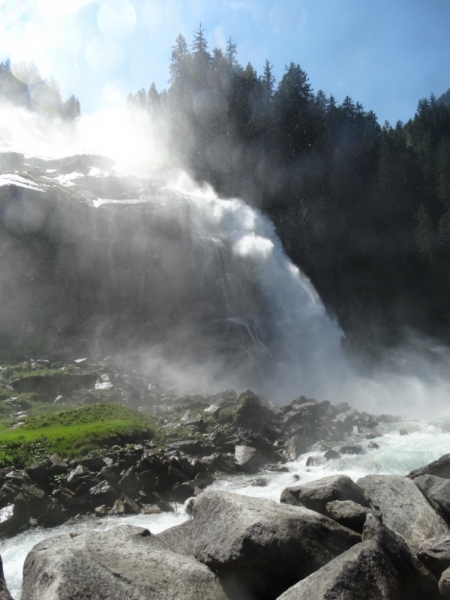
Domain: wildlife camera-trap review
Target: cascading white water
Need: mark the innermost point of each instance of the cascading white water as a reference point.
(291, 338)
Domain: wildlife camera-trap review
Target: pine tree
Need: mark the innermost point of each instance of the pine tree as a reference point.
(153, 98)
(71, 109)
(231, 52)
(178, 61)
(268, 79)
(199, 45)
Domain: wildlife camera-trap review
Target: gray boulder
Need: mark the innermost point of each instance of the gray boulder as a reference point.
(261, 548)
(403, 508)
(444, 584)
(350, 450)
(315, 495)
(348, 514)
(435, 554)
(178, 538)
(296, 445)
(4, 592)
(249, 459)
(437, 491)
(364, 572)
(439, 468)
(415, 581)
(124, 563)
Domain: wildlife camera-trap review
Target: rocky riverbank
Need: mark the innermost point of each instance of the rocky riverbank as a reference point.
(379, 538)
(200, 438)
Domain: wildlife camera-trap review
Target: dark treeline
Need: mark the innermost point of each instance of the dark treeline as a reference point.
(25, 87)
(364, 209)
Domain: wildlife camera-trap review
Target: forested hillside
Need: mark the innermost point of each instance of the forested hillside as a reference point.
(363, 208)
(25, 87)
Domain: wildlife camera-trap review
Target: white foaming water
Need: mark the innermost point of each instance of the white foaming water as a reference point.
(396, 455)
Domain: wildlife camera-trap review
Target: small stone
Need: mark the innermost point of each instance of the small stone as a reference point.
(330, 454)
(100, 511)
(315, 461)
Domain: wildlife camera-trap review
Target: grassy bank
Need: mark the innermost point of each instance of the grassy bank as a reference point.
(72, 433)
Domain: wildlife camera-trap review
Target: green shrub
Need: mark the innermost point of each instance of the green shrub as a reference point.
(227, 415)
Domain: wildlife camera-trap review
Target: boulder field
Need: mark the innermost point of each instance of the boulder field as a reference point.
(240, 548)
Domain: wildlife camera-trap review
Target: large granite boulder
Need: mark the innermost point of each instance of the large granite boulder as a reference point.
(444, 584)
(249, 459)
(124, 563)
(415, 581)
(178, 538)
(261, 548)
(4, 592)
(403, 508)
(315, 495)
(435, 554)
(437, 491)
(439, 468)
(381, 567)
(348, 514)
(362, 573)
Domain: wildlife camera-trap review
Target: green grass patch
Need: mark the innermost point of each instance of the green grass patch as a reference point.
(227, 415)
(5, 394)
(73, 432)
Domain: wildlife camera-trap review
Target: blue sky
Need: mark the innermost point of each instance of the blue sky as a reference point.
(385, 54)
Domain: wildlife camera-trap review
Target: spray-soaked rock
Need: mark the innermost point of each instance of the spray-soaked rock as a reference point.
(364, 572)
(249, 459)
(439, 468)
(435, 554)
(348, 514)
(124, 563)
(380, 568)
(315, 495)
(261, 546)
(444, 584)
(437, 491)
(4, 592)
(415, 581)
(296, 445)
(403, 508)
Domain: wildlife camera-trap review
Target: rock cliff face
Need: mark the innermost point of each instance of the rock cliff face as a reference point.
(92, 260)
(97, 258)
